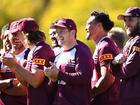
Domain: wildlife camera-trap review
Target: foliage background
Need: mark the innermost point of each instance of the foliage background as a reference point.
(46, 11)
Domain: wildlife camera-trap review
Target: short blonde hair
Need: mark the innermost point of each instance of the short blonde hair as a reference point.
(118, 35)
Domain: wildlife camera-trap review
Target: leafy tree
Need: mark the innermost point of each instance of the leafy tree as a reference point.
(46, 11)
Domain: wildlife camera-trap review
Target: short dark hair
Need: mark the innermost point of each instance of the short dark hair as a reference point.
(104, 19)
(35, 36)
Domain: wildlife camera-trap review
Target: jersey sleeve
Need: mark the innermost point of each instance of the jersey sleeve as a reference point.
(42, 57)
(106, 55)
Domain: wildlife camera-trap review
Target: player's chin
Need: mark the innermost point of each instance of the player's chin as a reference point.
(88, 36)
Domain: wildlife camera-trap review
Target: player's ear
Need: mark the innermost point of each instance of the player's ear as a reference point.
(73, 32)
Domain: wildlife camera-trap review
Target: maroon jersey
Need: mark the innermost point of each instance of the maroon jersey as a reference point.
(104, 53)
(39, 56)
(130, 73)
(74, 78)
(13, 100)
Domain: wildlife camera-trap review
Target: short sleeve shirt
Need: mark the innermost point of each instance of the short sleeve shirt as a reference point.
(39, 56)
(104, 53)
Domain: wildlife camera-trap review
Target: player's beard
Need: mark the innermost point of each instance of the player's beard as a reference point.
(135, 31)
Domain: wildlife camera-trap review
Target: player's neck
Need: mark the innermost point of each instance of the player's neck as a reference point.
(69, 45)
(18, 51)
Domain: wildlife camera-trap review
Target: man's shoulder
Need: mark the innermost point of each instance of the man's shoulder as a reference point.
(43, 49)
(41, 46)
(135, 41)
(107, 42)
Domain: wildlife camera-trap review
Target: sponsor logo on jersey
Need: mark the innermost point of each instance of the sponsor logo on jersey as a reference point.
(105, 57)
(39, 61)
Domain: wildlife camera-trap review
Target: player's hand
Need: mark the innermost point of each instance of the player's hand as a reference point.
(51, 72)
(119, 59)
(9, 61)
